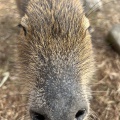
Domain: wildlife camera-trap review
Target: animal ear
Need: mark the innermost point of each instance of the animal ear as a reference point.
(24, 21)
(85, 22)
(24, 24)
(22, 6)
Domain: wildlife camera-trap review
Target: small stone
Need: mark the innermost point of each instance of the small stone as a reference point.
(114, 38)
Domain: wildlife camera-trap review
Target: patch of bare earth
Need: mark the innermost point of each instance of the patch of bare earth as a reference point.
(11, 106)
(106, 91)
(106, 88)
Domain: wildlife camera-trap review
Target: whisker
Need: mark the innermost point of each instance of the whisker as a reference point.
(94, 8)
(95, 5)
(99, 91)
(93, 114)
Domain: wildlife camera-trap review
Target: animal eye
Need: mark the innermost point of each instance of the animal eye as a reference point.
(23, 28)
(90, 29)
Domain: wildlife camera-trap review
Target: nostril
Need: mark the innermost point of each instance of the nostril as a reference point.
(36, 116)
(80, 114)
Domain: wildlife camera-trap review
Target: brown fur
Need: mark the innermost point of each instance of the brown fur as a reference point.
(55, 34)
(22, 5)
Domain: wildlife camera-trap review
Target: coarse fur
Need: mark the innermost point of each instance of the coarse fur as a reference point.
(56, 59)
(22, 5)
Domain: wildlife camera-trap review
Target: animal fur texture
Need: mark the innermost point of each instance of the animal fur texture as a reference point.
(56, 59)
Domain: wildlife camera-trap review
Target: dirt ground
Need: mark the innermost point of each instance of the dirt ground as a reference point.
(106, 88)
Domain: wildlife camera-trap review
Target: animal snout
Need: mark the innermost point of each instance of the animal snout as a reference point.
(65, 101)
(80, 115)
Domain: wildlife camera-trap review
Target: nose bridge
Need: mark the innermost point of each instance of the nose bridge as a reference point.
(63, 113)
(66, 113)
(65, 108)
(61, 107)
(64, 99)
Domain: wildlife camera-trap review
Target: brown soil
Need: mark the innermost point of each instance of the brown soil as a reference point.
(106, 88)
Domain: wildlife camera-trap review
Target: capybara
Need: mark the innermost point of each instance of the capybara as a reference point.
(56, 59)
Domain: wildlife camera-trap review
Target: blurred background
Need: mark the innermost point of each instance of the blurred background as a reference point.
(105, 29)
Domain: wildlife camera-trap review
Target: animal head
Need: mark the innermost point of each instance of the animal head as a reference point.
(56, 60)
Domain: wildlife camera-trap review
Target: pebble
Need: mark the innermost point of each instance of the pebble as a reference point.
(114, 38)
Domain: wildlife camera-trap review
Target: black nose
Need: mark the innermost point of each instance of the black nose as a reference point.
(80, 115)
(36, 116)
